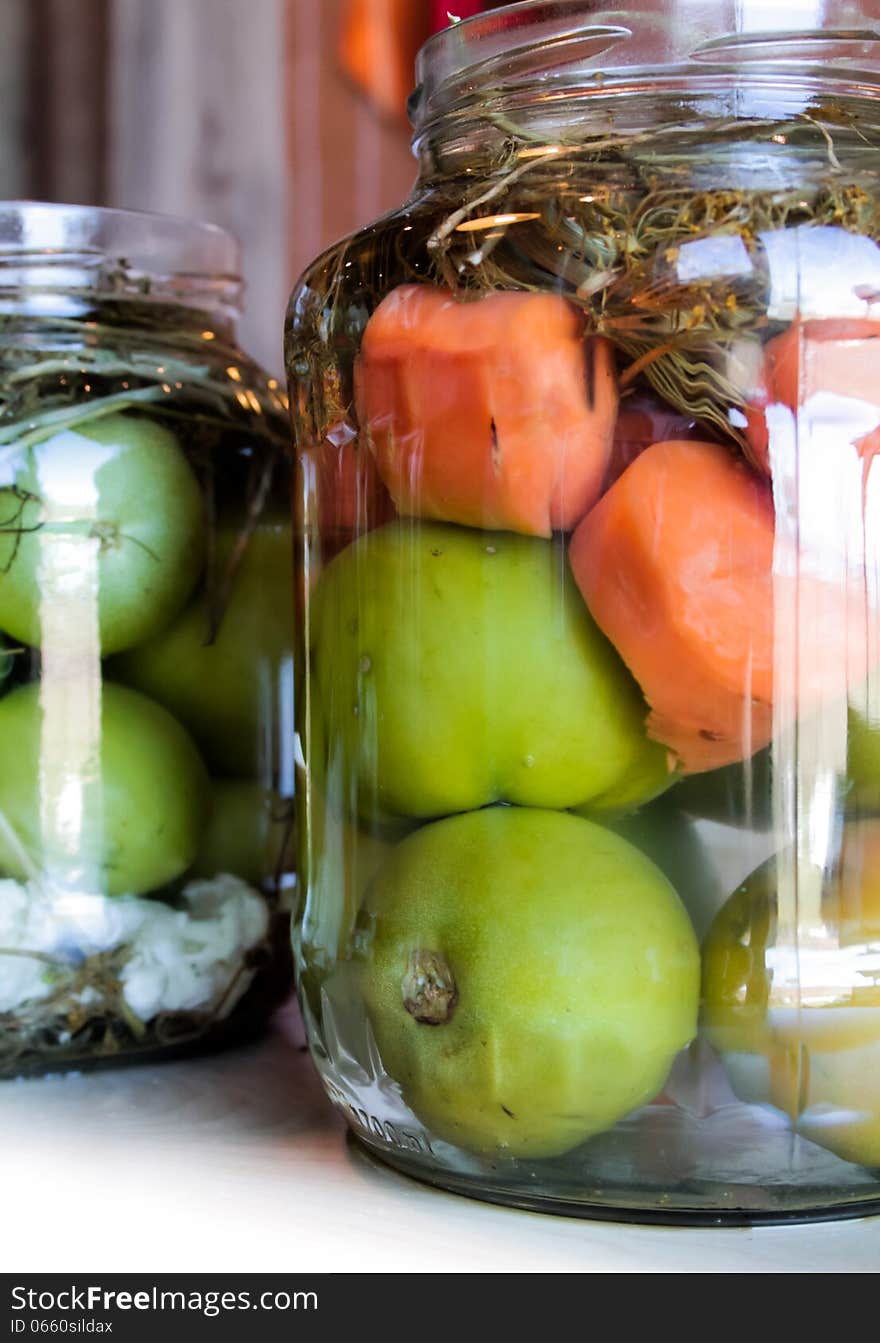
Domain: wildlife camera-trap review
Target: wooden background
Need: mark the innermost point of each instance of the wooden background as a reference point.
(229, 110)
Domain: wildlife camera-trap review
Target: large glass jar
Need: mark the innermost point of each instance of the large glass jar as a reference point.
(589, 634)
(146, 663)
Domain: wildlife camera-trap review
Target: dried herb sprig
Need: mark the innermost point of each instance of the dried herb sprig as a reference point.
(58, 373)
(604, 221)
(85, 1016)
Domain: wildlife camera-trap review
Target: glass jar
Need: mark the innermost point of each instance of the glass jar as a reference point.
(589, 634)
(146, 665)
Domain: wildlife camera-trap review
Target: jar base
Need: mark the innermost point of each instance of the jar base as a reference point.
(230, 1034)
(700, 1204)
(245, 1024)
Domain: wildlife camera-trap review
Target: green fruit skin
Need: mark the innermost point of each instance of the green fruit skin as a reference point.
(231, 694)
(145, 506)
(651, 773)
(818, 1062)
(341, 861)
(576, 968)
(735, 977)
(454, 668)
(336, 860)
(249, 833)
(145, 802)
(863, 763)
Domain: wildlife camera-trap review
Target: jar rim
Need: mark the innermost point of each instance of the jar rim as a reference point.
(55, 258)
(534, 41)
(153, 242)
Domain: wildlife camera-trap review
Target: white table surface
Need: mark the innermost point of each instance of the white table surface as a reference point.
(237, 1163)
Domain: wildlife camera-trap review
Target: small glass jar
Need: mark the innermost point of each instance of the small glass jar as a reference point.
(146, 602)
(589, 633)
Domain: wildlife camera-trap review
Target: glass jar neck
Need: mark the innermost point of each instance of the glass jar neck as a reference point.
(564, 71)
(512, 131)
(66, 265)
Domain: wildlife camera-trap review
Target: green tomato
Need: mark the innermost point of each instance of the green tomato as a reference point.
(792, 1004)
(735, 971)
(100, 792)
(235, 694)
(529, 977)
(107, 513)
(863, 763)
(455, 668)
(652, 772)
(249, 833)
(337, 862)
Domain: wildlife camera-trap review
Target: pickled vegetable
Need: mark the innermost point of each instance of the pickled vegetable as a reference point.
(133, 819)
(615, 363)
(676, 566)
(249, 832)
(455, 667)
(113, 502)
(350, 494)
(144, 905)
(824, 370)
(202, 665)
(529, 977)
(791, 995)
(495, 413)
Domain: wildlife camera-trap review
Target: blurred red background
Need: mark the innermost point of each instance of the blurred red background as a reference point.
(283, 120)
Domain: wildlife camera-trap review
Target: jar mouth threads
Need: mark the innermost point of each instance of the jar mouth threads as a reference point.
(551, 44)
(839, 45)
(57, 258)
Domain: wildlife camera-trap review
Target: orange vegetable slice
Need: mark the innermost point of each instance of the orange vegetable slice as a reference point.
(676, 565)
(496, 412)
(833, 355)
(350, 497)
